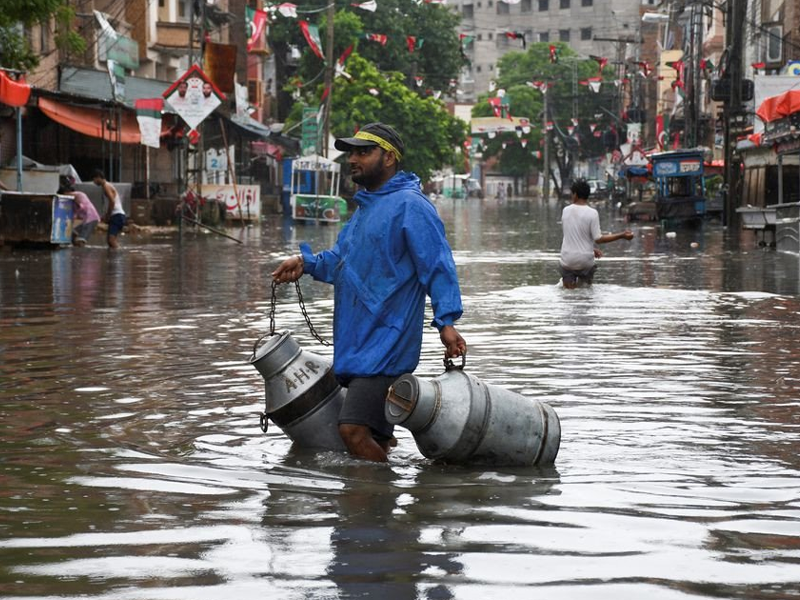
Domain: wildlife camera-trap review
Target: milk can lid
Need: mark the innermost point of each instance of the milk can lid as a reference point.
(401, 399)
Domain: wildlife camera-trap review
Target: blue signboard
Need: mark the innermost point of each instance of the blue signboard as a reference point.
(61, 232)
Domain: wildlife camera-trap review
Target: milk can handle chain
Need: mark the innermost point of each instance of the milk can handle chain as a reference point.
(273, 302)
(449, 365)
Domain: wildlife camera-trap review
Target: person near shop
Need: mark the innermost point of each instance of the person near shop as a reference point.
(84, 215)
(390, 255)
(581, 231)
(114, 214)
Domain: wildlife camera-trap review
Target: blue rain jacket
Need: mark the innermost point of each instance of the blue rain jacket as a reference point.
(387, 258)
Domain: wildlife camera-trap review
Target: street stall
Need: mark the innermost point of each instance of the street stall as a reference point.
(40, 219)
(313, 191)
(680, 186)
(781, 117)
(636, 187)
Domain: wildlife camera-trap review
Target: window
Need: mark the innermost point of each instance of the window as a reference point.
(479, 37)
(502, 8)
(44, 39)
(490, 36)
(774, 44)
(183, 10)
(544, 5)
(491, 67)
(586, 33)
(563, 35)
(480, 4)
(478, 69)
(587, 2)
(544, 36)
(526, 6)
(490, 4)
(467, 11)
(563, 4)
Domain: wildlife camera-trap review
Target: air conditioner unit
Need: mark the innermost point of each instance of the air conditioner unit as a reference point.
(773, 44)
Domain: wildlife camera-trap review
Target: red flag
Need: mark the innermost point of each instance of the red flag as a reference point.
(256, 23)
(311, 33)
(553, 53)
(411, 42)
(660, 134)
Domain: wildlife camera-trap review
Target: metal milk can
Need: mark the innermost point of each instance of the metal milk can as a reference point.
(456, 418)
(303, 397)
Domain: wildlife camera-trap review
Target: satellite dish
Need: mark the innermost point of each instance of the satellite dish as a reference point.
(793, 68)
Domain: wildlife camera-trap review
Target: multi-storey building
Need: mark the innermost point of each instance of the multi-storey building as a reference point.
(599, 27)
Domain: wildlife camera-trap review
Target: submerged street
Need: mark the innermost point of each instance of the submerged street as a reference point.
(132, 464)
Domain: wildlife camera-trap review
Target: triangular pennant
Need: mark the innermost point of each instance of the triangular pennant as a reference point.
(371, 5)
(287, 9)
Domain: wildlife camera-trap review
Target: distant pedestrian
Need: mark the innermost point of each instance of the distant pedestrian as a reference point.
(581, 225)
(114, 214)
(84, 214)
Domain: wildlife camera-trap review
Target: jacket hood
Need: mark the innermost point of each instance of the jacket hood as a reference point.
(402, 180)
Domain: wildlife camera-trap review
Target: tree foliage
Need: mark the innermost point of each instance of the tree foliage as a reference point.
(429, 132)
(566, 99)
(15, 51)
(437, 56)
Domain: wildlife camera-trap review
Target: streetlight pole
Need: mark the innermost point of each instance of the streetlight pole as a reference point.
(329, 74)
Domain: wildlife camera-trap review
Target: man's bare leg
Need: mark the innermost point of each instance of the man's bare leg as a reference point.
(360, 443)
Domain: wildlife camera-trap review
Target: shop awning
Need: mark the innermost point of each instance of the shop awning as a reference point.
(94, 122)
(777, 107)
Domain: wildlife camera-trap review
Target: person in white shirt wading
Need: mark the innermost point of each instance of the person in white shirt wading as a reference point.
(581, 225)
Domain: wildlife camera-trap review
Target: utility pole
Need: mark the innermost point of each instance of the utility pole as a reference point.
(734, 35)
(546, 158)
(329, 75)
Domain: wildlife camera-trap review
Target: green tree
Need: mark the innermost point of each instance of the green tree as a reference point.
(436, 58)
(15, 52)
(429, 132)
(566, 99)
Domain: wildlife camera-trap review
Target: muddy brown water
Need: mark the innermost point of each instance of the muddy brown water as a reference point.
(132, 464)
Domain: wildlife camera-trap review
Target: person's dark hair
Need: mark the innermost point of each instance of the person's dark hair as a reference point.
(581, 189)
(98, 173)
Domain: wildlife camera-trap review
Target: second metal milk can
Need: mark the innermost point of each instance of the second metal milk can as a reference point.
(456, 418)
(302, 394)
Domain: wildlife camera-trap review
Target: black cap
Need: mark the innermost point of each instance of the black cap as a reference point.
(374, 134)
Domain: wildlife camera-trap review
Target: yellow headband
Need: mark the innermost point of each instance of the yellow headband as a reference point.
(362, 135)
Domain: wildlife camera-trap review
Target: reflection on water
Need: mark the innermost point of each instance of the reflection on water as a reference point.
(132, 464)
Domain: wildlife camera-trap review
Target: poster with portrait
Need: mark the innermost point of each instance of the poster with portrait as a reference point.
(193, 96)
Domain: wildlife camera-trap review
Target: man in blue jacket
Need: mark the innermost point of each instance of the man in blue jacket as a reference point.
(390, 255)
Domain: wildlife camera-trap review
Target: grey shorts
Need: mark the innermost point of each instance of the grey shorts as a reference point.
(570, 277)
(364, 405)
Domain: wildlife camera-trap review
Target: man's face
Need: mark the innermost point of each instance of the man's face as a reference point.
(97, 181)
(366, 165)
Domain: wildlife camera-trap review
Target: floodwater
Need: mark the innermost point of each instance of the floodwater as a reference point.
(132, 465)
